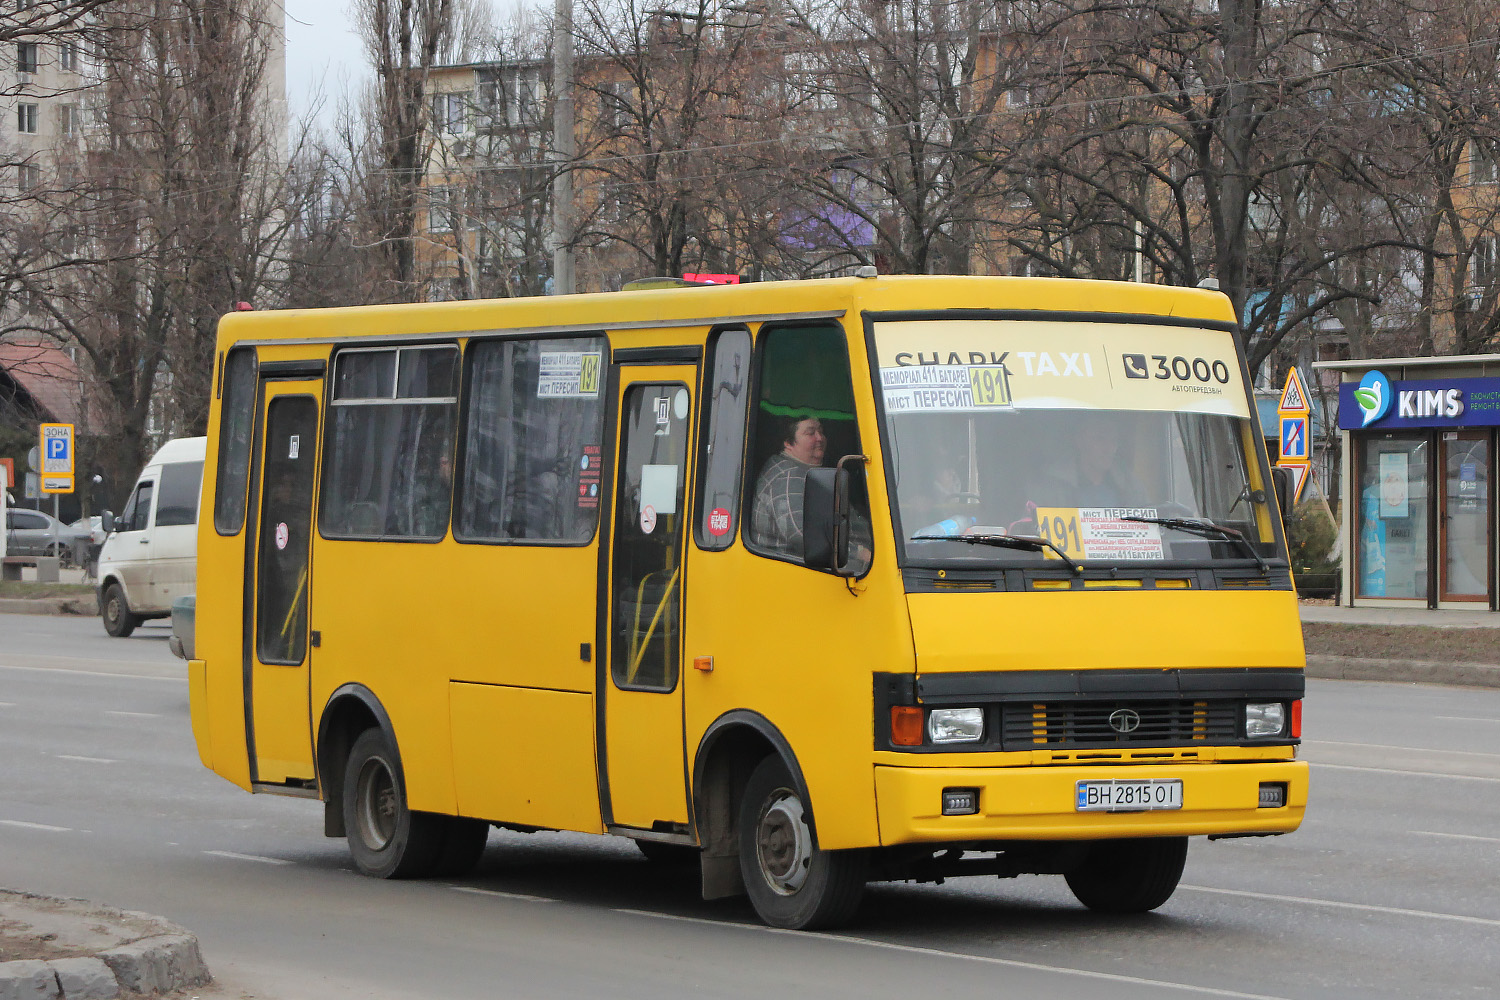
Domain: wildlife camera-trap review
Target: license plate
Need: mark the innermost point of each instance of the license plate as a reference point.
(1129, 796)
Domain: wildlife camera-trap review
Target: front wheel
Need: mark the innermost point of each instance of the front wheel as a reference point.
(790, 880)
(1129, 876)
(386, 838)
(115, 610)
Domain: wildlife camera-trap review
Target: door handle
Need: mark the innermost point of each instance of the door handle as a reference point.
(144, 541)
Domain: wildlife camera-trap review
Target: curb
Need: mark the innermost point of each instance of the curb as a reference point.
(159, 962)
(1358, 668)
(85, 605)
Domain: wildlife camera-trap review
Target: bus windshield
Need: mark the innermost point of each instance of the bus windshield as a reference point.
(1114, 443)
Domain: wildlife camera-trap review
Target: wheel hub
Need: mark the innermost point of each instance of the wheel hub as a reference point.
(783, 843)
(377, 804)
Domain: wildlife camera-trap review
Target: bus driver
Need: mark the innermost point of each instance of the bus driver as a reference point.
(776, 520)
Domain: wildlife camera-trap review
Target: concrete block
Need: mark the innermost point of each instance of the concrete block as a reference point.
(85, 979)
(27, 979)
(158, 964)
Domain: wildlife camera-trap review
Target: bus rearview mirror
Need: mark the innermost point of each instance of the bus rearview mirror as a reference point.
(825, 519)
(1281, 479)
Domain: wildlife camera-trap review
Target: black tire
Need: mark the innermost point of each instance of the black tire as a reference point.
(464, 840)
(386, 838)
(1129, 876)
(668, 855)
(115, 610)
(790, 880)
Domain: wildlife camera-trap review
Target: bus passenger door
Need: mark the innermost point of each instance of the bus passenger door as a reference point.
(642, 760)
(276, 694)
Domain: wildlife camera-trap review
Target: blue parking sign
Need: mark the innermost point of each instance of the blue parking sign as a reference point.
(1294, 438)
(57, 449)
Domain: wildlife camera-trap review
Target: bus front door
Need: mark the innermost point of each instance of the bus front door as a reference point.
(276, 694)
(642, 758)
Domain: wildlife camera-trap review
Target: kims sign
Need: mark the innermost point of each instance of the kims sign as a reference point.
(1376, 401)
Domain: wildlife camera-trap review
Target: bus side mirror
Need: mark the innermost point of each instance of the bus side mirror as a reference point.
(825, 519)
(107, 521)
(1281, 479)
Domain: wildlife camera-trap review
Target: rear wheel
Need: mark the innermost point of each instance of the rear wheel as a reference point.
(790, 880)
(386, 838)
(1129, 876)
(115, 610)
(463, 845)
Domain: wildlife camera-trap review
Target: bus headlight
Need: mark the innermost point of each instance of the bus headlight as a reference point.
(1265, 719)
(955, 725)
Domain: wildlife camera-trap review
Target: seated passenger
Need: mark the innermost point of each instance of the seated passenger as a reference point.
(1095, 477)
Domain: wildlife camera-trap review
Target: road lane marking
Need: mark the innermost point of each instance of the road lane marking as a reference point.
(1458, 836)
(503, 895)
(86, 760)
(248, 857)
(93, 673)
(1386, 746)
(1414, 774)
(1464, 718)
(7, 704)
(134, 715)
(35, 826)
(912, 949)
(1398, 911)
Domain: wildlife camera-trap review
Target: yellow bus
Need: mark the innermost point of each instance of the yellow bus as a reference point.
(825, 582)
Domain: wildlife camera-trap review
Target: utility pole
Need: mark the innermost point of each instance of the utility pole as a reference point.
(564, 148)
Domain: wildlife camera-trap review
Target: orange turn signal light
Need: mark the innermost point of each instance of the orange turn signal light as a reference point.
(906, 725)
(1297, 719)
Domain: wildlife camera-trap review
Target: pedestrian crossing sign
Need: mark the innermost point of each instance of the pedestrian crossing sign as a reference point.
(1294, 395)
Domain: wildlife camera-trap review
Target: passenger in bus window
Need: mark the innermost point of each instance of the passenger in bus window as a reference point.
(777, 516)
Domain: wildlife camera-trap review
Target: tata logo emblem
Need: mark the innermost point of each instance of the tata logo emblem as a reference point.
(1124, 720)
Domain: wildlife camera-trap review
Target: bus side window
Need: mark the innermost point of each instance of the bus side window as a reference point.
(388, 468)
(727, 396)
(533, 428)
(803, 418)
(236, 425)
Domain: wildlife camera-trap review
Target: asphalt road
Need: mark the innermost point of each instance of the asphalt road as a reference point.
(1390, 889)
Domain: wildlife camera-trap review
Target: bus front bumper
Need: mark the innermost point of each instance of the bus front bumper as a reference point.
(1040, 803)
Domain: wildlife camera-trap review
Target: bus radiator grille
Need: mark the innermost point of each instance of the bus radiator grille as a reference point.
(1067, 725)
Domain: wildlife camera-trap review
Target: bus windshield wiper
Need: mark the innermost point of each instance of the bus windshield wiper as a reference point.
(1204, 528)
(1030, 543)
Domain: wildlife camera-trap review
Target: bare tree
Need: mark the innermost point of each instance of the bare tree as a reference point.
(403, 39)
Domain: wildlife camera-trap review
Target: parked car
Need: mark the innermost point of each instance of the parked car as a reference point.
(89, 560)
(36, 533)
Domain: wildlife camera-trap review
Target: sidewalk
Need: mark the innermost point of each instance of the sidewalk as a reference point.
(1411, 645)
(71, 949)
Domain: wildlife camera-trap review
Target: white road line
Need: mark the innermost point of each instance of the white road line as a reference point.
(86, 760)
(7, 704)
(503, 895)
(1397, 911)
(93, 673)
(134, 715)
(911, 949)
(1458, 836)
(1386, 746)
(1464, 718)
(1414, 774)
(248, 857)
(35, 826)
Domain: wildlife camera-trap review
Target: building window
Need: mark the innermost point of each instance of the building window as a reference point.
(26, 57)
(68, 57)
(450, 113)
(440, 209)
(26, 118)
(67, 119)
(1483, 168)
(28, 176)
(1482, 264)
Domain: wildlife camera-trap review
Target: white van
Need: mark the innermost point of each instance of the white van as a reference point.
(151, 555)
